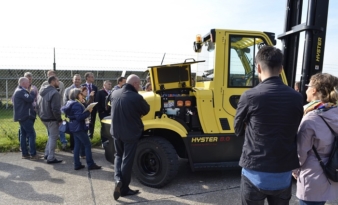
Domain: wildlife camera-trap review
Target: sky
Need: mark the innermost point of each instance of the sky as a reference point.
(131, 34)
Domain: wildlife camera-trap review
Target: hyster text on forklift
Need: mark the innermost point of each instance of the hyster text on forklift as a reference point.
(196, 122)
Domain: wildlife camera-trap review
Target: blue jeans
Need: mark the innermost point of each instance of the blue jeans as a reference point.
(301, 202)
(27, 133)
(63, 138)
(81, 138)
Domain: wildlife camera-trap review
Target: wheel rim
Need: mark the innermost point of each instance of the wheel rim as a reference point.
(149, 163)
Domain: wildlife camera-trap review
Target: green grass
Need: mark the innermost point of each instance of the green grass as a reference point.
(9, 132)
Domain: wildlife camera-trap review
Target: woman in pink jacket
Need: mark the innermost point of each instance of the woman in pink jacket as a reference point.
(312, 185)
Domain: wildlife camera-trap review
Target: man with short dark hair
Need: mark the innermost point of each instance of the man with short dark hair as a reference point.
(268, 115)
(101, 104)
(127, 108)
(25, 114)
(49, 111)
(89, 76)
(61, 90)
(120, 82)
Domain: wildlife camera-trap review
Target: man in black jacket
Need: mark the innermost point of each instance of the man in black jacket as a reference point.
(25, 114)
(89, 76)
(101, 104)
(127, 108)
(269, 115)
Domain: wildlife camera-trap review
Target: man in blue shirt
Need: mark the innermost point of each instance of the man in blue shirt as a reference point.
(268, 115)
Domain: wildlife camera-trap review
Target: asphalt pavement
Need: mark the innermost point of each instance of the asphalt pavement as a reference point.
(25, 181)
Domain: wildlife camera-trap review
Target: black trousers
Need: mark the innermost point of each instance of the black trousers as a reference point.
(72, 143)
(123, 164)
(251, 195)
(92, 123)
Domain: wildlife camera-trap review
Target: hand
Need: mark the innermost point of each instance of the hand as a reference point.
(92, 93)
(90, 110)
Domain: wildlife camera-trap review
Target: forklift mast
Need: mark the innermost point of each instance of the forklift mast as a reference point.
(315, 33)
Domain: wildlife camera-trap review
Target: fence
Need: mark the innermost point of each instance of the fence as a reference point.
(9, 81)
(104, 64)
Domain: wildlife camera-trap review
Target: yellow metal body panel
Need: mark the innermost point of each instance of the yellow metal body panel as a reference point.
(213, 96)
(204, 101)
(154, 101)
(165, 123)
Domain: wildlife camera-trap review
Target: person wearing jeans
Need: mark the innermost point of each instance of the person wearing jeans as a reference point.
(267, 117)
(27, 134)
(75, 111)
(25, 114)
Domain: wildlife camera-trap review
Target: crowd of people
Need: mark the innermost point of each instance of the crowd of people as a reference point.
(280, 134)
(46, 102)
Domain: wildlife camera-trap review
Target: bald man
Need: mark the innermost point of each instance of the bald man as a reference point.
(127, 108)
(25, 114)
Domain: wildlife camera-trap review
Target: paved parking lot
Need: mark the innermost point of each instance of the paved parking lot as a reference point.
(35, 182)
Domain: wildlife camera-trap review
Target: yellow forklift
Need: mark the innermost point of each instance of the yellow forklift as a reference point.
(196, 122)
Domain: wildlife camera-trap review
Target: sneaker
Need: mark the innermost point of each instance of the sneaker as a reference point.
(80, 167)
(25, 157)
(35, 157)
(54, 161)
(64, 147)
(94, 166)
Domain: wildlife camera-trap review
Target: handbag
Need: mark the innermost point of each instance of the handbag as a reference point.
(331, 167)
(64, 127)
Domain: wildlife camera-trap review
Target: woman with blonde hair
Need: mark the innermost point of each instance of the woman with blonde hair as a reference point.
(313, 187)
(75, 111)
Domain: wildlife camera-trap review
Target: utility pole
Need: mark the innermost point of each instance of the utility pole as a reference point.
(54, 64)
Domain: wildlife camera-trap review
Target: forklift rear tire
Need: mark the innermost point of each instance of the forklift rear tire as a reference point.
(156, 162)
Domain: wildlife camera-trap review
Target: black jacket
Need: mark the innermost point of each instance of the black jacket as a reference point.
(23, 107)
(127, 108)
(101, 104)
(269, 115)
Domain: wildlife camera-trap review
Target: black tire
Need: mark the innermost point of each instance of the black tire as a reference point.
(109, 150)
(156, 162)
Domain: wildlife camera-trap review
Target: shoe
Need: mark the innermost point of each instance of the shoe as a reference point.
(64, 147)
(130, 192)
(117, 190)
(83, 157)
(54, 161)
(25, 157)
(45, 157)
(35, 157)
(94, 166)
(80, 167)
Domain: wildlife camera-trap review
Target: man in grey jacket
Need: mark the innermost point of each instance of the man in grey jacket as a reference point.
(50, 114)
(61, 90)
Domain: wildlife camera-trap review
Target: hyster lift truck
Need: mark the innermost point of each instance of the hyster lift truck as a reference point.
(196, 122)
